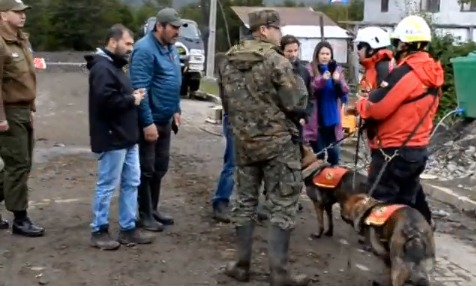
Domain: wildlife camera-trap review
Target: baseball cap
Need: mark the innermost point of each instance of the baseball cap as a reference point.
(168, 16)
(13, 5)
(266, 17)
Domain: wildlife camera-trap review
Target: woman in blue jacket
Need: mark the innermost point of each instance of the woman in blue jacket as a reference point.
(329, 92)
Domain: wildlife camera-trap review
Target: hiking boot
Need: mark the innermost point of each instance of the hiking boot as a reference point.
(240, 269)
(133, 236)
(3, 223)
(278, 247)
(26, 228)
(102, 240)
(220, 212)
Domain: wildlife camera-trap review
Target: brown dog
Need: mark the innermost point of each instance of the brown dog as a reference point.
(397, 233)
(327, 186)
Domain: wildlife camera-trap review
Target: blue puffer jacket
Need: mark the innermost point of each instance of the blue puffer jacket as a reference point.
(156, 67)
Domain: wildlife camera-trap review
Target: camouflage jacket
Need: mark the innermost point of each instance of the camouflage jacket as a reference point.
(264, 99)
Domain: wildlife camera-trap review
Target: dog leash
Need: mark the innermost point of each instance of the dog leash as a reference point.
(356, 155)
(335, 143)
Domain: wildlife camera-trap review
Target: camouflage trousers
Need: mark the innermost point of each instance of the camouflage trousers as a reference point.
(283, 184)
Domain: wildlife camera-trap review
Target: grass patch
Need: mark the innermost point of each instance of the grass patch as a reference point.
(209, 86)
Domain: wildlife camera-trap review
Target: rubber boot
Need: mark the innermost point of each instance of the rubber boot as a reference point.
(278, 247)
(146, 218)
(240, 269)
(155, 185)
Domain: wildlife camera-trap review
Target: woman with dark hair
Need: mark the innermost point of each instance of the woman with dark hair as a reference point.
(329, 91)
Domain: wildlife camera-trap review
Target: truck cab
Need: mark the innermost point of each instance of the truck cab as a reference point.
(192, 54)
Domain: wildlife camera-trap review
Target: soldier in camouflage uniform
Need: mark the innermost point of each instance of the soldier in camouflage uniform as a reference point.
(264, 106)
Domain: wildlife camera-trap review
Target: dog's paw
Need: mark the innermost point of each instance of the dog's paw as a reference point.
(329, 232)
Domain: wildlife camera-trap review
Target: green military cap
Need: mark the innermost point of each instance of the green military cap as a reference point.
(169, 16)
(266, 17)
(13, 5)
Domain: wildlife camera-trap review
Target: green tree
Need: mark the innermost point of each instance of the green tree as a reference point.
(339, 12)
(38, 24)
(81, 25)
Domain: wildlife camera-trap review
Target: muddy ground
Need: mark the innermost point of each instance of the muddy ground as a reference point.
(190, 253)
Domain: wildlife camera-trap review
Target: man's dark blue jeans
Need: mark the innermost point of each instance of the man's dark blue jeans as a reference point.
(226, 181)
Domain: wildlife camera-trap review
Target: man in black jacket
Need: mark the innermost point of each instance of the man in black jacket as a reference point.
(114, 136)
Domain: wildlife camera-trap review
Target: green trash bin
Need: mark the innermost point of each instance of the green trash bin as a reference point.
(464, 71)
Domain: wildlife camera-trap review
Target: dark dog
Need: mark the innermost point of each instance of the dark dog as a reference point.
(397, 233)
(327, 186)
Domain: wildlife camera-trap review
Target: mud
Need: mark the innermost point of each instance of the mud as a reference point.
(192, 252)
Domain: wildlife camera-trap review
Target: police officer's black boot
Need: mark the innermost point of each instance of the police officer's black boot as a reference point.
(278, 247)
(3, 223)
(240, 269)
(146, 218)
(22, 225)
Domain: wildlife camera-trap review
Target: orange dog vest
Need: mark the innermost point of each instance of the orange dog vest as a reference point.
(329, 177)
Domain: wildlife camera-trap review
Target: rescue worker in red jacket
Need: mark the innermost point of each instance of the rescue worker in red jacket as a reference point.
(374, 56)
(401, 115)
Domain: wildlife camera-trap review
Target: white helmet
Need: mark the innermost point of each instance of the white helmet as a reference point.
(412, 29)
(374, 36)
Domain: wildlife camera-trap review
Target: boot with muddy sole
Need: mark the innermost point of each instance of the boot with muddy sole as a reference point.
(278, 254)
(240, 269)
(102, 240)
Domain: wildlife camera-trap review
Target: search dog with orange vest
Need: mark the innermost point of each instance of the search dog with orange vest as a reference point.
(327, 186)
(397, 233)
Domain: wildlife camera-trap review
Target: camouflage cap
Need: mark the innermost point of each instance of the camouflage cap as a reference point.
(266, 17)
(13, 5)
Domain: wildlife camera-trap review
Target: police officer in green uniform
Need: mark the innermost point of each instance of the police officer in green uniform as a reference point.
(17, 110)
